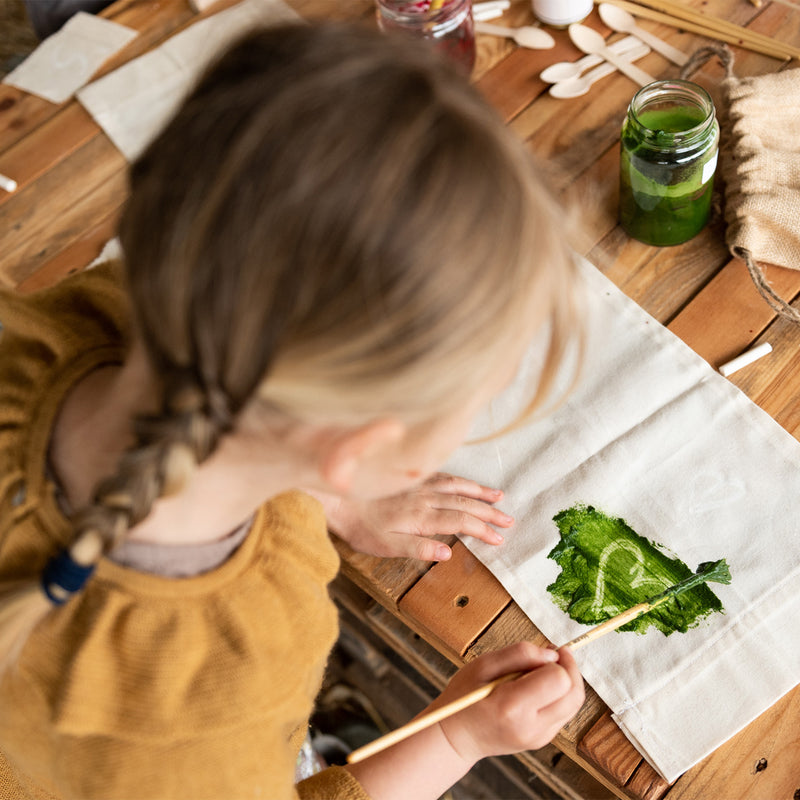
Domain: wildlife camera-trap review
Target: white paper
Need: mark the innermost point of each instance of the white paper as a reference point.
(134, 103)
(65, 61)
(656, 436)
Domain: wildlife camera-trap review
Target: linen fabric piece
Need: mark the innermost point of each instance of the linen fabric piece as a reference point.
(654, 435)
(762, 175)
(65, 61)
(134, 103)
(760, 165)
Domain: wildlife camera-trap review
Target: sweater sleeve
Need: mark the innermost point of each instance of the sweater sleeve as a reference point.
(334, 783)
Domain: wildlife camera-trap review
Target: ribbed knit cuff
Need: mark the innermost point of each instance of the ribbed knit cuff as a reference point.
(334, 783)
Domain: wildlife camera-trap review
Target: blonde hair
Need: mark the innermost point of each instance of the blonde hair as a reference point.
(336, 225)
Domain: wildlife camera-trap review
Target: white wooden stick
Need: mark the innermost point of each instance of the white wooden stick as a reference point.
(748, 357)
(488, 14)
(491, 4)
(8, 184)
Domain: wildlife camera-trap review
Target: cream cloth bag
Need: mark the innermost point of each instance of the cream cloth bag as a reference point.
(655, 435)
(760, 164)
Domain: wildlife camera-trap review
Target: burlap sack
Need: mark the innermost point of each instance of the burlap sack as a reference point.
(760, 166)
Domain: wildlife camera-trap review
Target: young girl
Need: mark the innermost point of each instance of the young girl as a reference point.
(335, 255)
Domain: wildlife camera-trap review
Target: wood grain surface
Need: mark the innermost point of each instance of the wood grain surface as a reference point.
(71, 188)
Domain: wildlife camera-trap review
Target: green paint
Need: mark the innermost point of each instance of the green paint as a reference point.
(606, 567)
(672, 120)
(664, 199)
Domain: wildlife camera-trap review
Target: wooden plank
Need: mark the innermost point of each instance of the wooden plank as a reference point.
(431, 664)
(327, 10)
(428, 661)
(563, 775)
(58, 207)
(75, 256)
(594, 199)
(20, 113)
(773, 382)
(647, 784)
(606, 745)
(728, 314)
(454, 602)
(572, 134)
(780, 380)
(660, 279)
(510, 627)
(51, 142)
(384, 579)
(493, 50)
(512, 84)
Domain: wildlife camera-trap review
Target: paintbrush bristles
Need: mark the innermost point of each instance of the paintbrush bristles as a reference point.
(715, 571)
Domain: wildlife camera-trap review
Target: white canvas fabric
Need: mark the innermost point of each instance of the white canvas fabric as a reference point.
(134, 103)
(654, 435)
(65, 61)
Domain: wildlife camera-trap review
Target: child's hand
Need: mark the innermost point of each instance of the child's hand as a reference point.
(401, 524)
(523, 714)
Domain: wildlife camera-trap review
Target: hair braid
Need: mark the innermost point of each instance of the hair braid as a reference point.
(167, 451)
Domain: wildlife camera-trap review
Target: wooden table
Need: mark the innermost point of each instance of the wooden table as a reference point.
(72, 185)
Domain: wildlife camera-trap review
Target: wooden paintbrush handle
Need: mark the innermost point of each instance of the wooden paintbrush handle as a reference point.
(609, 625)
(425, 721)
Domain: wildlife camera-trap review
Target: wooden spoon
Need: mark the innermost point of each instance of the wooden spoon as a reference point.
(525, 36)
(580, 84)
(590, 41)
(620, 20)
(564, 70)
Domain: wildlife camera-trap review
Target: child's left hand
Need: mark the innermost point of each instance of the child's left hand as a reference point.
(400, 525)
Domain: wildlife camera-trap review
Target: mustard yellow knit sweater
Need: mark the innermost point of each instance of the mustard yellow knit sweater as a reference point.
(144, 687)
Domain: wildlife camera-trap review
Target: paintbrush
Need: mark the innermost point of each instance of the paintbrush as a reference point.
(714, 571)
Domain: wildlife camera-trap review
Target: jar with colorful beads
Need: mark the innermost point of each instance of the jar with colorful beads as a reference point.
(446, 23)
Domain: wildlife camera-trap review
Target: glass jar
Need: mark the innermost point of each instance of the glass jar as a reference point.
(447, 24)
(669, 146)
(561, 13)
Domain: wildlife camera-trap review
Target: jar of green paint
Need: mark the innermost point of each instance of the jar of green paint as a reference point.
(669, 145)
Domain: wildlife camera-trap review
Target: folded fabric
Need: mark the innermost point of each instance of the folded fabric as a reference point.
(133, 103)
(65, 61)
(763, 176)
(760, 166)
(654, 435)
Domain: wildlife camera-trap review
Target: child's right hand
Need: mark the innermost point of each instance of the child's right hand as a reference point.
(523, 714)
